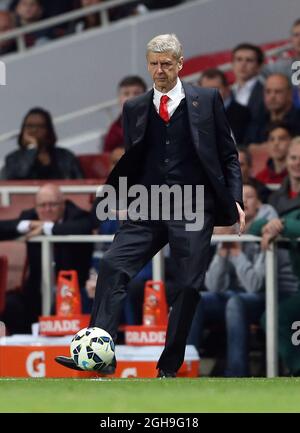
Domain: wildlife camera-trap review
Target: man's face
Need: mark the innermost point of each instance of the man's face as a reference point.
(251, 202)
(293, 161)
(295, 39)
(245, 65)
(245, 168)
(50, 206)
(164, 69)
(29, 10)
(277, 94)
(278, 142)
(129, 92)
(217, 84)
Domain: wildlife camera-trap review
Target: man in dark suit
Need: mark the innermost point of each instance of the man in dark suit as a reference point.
(248, 90)
(238, 115)
(278, 100)
(53, 214)
(175, 135)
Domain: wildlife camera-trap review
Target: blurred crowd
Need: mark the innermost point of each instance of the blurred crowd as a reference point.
(19, 13)
(263, 110)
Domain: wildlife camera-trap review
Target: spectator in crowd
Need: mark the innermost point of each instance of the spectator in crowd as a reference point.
(51, 8)
(278, 107)
(279, 138)
(7, 23)
(38, 157)
(235, 283)
(283, 64)
(286, 200)
(89, 21)
(239, 116)
(53, 214)
(129, 87)
(247, 61)
(245, 160)
(57, 7)
(29, 12)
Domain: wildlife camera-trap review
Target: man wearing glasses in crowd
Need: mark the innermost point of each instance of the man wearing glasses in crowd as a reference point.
(53, 214)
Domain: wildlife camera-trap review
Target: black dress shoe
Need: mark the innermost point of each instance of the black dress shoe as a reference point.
(165, 374)
(68, 362)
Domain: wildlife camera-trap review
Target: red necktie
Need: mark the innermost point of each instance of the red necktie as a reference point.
(163, 108)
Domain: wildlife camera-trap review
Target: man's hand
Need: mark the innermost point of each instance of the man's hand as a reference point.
(36, 229)
(90, 286)
(241, 218)
(35, 232)
(270, 231)
(34, 224)
(266, 240)
(29, 140)
(273, 227)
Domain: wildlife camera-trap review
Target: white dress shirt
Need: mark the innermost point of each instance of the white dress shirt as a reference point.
(242, 93)
(24, 227)
(175, 97)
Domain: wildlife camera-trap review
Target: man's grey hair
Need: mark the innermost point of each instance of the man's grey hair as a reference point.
(164, 43)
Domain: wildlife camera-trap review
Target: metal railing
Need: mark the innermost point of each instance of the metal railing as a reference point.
(158, 274)
(7, 191)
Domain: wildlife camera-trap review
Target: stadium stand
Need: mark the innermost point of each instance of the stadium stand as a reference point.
(96, 166)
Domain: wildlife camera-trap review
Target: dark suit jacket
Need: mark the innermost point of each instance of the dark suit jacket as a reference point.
(256, 101)
(239, 118)
(281, 201)
(8, 229)
(211, 137)
(258, 131)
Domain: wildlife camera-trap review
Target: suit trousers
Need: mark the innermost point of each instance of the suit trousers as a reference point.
(135, 243)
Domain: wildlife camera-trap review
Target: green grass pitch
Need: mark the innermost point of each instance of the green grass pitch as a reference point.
(150, 395)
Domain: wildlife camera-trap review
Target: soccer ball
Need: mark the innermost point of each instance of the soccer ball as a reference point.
(92, 348)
